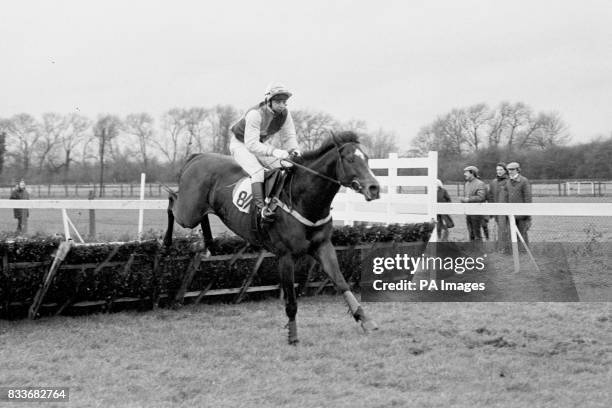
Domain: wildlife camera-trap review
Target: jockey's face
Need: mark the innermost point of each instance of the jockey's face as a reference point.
(278, 105)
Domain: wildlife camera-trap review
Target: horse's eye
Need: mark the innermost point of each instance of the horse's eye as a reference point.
(350, 159)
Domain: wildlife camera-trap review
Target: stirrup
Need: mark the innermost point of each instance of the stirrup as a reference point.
(267, 214)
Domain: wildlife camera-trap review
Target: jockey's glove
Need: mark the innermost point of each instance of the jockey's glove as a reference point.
(296, 156)
(280, 154)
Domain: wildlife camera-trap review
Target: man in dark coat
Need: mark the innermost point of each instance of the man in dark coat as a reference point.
(498, 193)
(444, 220)
(21, 214)
(475, 192)
(519, 191)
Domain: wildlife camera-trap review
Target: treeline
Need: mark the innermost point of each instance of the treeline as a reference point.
(72, 148)
(483, 136)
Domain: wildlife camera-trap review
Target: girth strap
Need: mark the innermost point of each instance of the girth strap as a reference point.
(300, 217)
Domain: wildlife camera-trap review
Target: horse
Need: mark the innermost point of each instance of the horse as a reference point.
(303, 224)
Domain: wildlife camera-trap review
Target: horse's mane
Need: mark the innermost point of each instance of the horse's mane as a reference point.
(340, 138)
(189, 159)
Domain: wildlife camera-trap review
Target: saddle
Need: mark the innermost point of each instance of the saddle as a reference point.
(274, 180)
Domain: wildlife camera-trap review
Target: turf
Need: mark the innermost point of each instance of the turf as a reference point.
(425, 355)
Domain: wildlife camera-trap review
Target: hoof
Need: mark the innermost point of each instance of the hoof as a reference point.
(294, 342)
(293, 336)
(369, 326)
(205, 255)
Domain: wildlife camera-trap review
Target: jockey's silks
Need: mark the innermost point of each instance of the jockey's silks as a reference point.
(270, 123)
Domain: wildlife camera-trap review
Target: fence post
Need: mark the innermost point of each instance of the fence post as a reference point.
(514, 240)
(92, 217)
(391, 186)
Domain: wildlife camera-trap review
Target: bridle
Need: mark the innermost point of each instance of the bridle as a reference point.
(340, 169)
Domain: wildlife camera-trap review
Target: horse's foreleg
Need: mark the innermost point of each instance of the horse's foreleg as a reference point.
(286, 264)
(326, 255)
(170, 228)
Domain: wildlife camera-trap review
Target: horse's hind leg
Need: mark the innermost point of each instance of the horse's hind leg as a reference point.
(286, 264)
(326, 255)
(170, 228)
(207, 235)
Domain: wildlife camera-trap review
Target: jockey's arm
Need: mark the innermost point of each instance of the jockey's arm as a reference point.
(251, 135)
(287, 133)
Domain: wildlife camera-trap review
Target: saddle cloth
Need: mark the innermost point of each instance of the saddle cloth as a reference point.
(242, 194)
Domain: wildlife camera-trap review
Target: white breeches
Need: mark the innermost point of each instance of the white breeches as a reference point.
(253, 165)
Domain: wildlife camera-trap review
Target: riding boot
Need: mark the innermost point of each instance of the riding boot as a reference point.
(258, 200)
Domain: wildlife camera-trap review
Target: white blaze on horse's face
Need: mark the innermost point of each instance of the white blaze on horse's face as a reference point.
(360, 154)
(365, 184)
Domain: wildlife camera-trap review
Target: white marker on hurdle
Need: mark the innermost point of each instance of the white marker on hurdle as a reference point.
(141, 211)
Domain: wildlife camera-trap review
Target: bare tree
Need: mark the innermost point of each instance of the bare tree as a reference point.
(221, 118)
(475, 119)
(426, 140)
(2, 148)
(141, 126)
(312, 127)
(75, 135)
(54, 126)
(451, 130)
(173, 124)
(105, 130)
(517, 117)
(551, 132)
(380, 144)
(196, 129)
(355, 125)
(24, 134)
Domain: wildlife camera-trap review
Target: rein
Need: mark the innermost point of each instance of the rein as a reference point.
(308, 169)
(333, 180)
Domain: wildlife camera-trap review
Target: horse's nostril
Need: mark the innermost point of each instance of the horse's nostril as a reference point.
(374, 190)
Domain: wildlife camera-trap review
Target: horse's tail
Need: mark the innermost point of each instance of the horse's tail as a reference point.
(171, 193)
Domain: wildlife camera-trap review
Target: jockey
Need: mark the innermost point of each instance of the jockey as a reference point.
(250, 145)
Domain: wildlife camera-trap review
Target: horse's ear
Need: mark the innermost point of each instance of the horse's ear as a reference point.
(333, 137)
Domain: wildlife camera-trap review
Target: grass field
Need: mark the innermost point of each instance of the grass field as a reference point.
(221, 355)
(425, 355)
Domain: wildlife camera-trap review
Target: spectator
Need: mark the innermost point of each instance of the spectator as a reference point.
(498, 193)
(519, 191)
(474, 192)
(444, 220)
(21, 193)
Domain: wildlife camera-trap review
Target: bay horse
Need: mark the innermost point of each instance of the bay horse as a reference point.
(302, 226)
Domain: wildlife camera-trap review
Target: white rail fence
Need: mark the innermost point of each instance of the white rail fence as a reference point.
(409, 195)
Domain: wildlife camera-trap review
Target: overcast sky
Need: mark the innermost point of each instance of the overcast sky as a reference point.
(395, 64)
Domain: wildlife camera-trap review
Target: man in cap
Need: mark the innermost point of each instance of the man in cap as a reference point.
(519, 191)
(474, 192)
(21, 214)
(251, 145)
